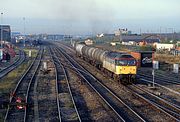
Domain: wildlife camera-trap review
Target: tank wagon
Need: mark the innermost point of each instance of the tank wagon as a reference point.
(119, 66)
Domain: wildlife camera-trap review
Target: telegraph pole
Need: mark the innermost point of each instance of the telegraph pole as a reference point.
(1, 30)
(160, 29)
(24, 31)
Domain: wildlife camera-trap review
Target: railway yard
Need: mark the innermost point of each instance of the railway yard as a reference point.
(54, 84)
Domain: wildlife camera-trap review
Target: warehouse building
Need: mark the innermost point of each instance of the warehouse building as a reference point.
(161, 46)
(6, 33)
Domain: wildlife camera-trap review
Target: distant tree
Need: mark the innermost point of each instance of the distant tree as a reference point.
(146, 48)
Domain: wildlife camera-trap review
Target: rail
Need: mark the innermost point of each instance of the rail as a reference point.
(20, 82)
(116, 111)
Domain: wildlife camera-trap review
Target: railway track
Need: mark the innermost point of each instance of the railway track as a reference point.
(169, 84)
(29, 111)
(89, 105)
(162, 92)
(44, 94)
(11, 67)
(22, 90)
(159, 85)
(151, 102)
(171, 76)
(66, 102)
(122, 111)
(161, 79)
(169, 109)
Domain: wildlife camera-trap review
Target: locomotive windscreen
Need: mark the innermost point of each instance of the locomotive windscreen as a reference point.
(126, 62)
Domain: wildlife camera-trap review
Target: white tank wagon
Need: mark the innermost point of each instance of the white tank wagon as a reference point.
(78, 48)
(94, 55)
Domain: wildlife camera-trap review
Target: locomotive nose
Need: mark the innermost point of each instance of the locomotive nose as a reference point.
(126, 70)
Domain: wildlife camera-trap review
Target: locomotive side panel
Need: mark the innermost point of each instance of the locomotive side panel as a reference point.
(109, 65)
(125, 70)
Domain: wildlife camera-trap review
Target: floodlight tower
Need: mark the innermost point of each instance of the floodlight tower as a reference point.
(24, 31)
(1, 30)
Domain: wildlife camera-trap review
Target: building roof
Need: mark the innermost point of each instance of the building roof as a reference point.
(5, 27)
(139, 38)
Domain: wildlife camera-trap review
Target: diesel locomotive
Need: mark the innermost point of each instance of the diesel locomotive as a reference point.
(120, 66)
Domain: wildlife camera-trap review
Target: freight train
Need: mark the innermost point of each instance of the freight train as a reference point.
(119, 66)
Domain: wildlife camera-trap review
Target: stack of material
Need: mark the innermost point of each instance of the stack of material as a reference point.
(7, 52)
(10, 49)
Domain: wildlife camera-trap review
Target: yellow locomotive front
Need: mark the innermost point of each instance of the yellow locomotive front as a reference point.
(126, 66)
(126, 69)
(123, 66)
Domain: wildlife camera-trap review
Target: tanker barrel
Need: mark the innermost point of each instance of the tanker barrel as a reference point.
(78, 48)
(99, 55)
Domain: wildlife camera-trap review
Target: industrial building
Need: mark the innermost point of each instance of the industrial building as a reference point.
(6, 33)
(88, 42)
(161, 46)
(165, 36)
(122, 32)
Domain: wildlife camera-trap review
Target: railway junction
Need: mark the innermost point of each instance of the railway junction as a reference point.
(54, 82)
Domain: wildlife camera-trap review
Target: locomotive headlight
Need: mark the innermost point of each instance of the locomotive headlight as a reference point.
(134, 69)
(120, 69)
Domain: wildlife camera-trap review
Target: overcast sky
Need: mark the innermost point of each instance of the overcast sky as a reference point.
(90, 16)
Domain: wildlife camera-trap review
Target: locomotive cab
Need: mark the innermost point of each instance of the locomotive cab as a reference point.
(126, 68)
